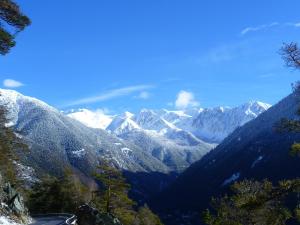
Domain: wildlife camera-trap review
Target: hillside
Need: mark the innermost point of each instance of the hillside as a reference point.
(254, 151)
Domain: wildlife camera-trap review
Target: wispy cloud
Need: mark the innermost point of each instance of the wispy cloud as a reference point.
(185, 99)
(224, 53)
(267, 26)
(10, 83)
(114, 93)
(258, 28)
(143, 95)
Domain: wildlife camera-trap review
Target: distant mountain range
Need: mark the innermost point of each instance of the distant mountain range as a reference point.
(254, 151)
(209, 124)
(149, 145)
(176, 138)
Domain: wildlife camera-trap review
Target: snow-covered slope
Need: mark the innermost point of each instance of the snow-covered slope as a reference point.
(254, 151)
(211, 125)
(179, 138)
(215, 124)
(122, 124)
(151, 140)
(174, 147)
(56, 140)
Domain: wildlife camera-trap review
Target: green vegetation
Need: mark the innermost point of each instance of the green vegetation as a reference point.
(57, 195)
(254, 202)
(146, 217)
(261, 203)
(10, 15)
(113, 198)
(9, 143)
(66, 194)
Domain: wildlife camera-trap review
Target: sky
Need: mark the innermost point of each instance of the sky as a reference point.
(122, 55)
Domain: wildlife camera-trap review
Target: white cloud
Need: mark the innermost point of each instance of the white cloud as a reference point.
(258, 28)
(98, 118)
(10, 83)
(143, 95)
(185, 99)
(114, 93)
(267, 26)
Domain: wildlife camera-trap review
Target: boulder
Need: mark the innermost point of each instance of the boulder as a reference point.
(86, 215)
(14, 200)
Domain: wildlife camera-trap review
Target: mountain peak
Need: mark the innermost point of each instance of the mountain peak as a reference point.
(12, 100)
(127, 115)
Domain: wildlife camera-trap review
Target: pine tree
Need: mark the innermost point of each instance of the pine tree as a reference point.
(146, 217)
(112, 197)
(58, 195)
(113, 194)
(9, 144)
(11, 16)
(255, 203)
(290, 53)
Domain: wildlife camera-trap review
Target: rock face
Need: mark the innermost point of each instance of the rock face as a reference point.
(86, 215)
(12, 205)
(14, 200)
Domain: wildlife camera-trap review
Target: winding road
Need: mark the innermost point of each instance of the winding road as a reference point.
(50, 220)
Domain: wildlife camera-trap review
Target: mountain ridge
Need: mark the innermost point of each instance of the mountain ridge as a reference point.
(253, 151)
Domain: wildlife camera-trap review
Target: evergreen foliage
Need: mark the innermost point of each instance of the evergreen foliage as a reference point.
(113, 198)
(261, 203)
(10, 16)
(113, 195)
(9, 143)
(255, 203)
(54, 195)
(146, 217)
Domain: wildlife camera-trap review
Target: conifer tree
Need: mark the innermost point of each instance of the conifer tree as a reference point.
(113, 194)
(58, 195)
(146, 217)
(10, 17)
(9, 144)
(290, 53)
(255, 203)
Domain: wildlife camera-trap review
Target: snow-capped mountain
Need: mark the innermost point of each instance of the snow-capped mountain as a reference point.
(151, 140)
(179, 138)
(174, 147)
(56, 140)
(122, 124)
(254, 151)
(211, 125)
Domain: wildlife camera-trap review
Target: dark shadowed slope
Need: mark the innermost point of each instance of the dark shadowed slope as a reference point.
(255, 150)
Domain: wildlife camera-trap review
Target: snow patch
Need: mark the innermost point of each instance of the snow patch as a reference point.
(7, 221)
(118, 143)
(231, 179)
(79, 153)
(256, 161)
(126, 150)
(26, 173)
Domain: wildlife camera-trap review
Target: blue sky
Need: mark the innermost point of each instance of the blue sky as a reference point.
(128, 55)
